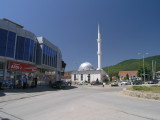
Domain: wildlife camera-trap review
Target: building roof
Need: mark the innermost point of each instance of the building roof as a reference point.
(130, 73)
(18, 25)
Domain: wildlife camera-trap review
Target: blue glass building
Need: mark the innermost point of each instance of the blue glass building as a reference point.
(21, 47)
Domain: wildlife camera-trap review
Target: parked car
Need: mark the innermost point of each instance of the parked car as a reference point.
(126, 82)
(93, 83)
(80, 83)
(137, 82)
(59, 84)
(96, 83)
(114, 84)
(153, 81)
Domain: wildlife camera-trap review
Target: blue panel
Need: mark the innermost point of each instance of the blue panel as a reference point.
(26, 50)
(31, 53)
(34, 51)
(48, 55)
(43, 54)
(55, 59)
(3, 41)
(46, 58)
(20, 47)
(11, 44)
(52, 64)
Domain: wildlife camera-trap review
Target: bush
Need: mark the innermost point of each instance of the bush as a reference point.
(141, 88)
(155, 86)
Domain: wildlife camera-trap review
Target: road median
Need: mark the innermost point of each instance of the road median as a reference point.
(142, 94)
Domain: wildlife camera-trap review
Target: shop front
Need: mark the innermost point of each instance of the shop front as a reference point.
(17, 70)
(45, 76)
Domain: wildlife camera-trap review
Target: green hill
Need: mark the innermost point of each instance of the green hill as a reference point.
(133, 64)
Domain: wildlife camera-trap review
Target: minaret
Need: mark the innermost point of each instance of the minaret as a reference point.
(99, 53)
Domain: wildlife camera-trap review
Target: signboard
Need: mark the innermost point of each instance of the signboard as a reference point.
(21, 67)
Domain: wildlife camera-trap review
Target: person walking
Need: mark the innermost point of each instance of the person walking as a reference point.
(24, 79)
(35, 81)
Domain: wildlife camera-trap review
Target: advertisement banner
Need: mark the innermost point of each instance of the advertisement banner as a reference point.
(21, 67)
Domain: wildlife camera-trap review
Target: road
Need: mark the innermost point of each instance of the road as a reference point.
(81, 103)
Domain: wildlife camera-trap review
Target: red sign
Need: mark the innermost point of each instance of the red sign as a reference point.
(22, 67)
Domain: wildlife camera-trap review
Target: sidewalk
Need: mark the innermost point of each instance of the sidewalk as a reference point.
(16, 94)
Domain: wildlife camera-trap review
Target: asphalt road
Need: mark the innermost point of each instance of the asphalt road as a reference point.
(81, 103)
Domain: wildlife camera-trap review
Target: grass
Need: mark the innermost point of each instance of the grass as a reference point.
(153, 88)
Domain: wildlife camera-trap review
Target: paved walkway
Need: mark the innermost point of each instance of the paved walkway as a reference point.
(15, 94)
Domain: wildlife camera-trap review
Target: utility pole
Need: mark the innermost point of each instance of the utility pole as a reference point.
(144, 74)
(153, 69)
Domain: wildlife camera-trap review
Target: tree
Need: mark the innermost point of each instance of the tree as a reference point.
(147, 73)
(127, 77)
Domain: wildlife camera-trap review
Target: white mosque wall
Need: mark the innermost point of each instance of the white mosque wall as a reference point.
(94, 75)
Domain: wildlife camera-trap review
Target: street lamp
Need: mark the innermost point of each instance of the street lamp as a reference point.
(144, 74)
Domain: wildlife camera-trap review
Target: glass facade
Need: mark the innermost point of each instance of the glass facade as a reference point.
(17, 47)
(25, 48)
(49, 56)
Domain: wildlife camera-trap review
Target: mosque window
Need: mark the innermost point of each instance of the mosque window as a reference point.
(89, 77)
(81, 76)
(74, 76)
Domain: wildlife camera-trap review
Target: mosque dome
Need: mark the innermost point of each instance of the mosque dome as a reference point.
(85, 66)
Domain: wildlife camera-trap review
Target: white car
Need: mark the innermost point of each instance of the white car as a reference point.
(80, 83)
(126, 82)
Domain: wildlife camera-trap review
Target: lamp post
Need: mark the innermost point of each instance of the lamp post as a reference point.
(144, 74)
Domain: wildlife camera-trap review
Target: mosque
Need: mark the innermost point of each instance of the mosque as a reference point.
(86, 71)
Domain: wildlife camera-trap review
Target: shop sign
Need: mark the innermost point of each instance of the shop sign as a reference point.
(21, 67)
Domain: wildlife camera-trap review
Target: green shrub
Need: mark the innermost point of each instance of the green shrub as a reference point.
(141, 88)
(155, 86)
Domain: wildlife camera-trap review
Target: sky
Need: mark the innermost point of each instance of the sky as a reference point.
(127, 27)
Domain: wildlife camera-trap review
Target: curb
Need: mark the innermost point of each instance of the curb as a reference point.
(146, 95)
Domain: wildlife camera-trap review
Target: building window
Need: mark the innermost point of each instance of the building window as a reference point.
(49, 56)
(20, 47)
(81, 76)
(43, 54)
(74, 76)
(26, 50)
(31, 52)
(11, 44)
(34, 53)
(3, 41)
(89, 77)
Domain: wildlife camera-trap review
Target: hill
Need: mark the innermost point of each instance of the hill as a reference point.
(133, 64)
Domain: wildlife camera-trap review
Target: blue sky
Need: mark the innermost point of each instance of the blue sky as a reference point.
(127, 27)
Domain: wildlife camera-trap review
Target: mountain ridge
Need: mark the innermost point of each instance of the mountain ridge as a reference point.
(133, 64)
